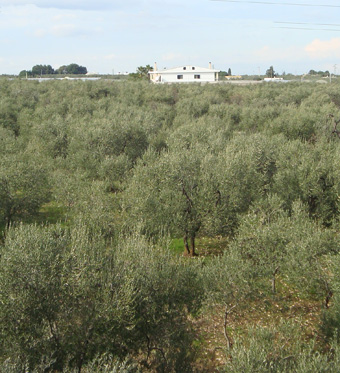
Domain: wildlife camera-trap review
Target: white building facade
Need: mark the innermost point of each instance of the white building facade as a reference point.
(184, 74)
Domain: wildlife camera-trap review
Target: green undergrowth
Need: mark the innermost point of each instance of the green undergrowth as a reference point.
(269, 319)
(205, 246)
(177, 246)
(49, 213)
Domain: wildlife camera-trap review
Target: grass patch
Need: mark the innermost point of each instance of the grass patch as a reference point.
(50, 213)
(177, 246)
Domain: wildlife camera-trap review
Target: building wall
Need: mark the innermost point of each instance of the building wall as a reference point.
(156, 78)
(188, 77)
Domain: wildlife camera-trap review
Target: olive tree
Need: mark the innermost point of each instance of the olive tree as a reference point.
(69, 298)
(293, 245)
(24, 187)
(173, 192)
(309, 173)
(9, 115)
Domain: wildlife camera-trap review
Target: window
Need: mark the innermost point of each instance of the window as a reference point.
(179, 76)
(184, 68)
(197, 76)
(193, 68)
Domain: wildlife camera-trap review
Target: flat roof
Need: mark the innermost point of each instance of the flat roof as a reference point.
(184, 69)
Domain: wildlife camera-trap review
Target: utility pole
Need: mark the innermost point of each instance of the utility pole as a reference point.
(330, 74)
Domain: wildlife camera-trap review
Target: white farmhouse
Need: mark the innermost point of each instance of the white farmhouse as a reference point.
(184, 74)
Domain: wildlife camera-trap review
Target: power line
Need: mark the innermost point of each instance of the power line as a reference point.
(295, 24)
(308, 28)
(277, 3)
(308, 23)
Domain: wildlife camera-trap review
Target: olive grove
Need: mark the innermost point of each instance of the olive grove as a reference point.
(100, 180)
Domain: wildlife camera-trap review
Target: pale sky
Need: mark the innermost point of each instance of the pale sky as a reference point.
(120, 35)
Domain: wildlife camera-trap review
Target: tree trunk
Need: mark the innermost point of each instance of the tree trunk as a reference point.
(274, 280)
(186, 245)
(226, 336)
(8, 221)
(189, 250)
(329, 294)
(8, 217)
(328, 298)
(192, 246)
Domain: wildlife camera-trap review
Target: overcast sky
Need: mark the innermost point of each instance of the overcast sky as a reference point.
(120, 35)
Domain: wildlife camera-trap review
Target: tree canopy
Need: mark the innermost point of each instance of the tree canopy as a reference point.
(39, 70)
(141, 72)
(270, 72)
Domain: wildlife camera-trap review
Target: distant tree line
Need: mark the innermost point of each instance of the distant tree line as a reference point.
(36, 70)
(321, 73)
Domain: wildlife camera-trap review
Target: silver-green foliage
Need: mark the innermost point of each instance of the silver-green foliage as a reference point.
(293, 245)
(67, 297)
(24, 187)
(331, 316)
(280, 349)
(309, 173)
